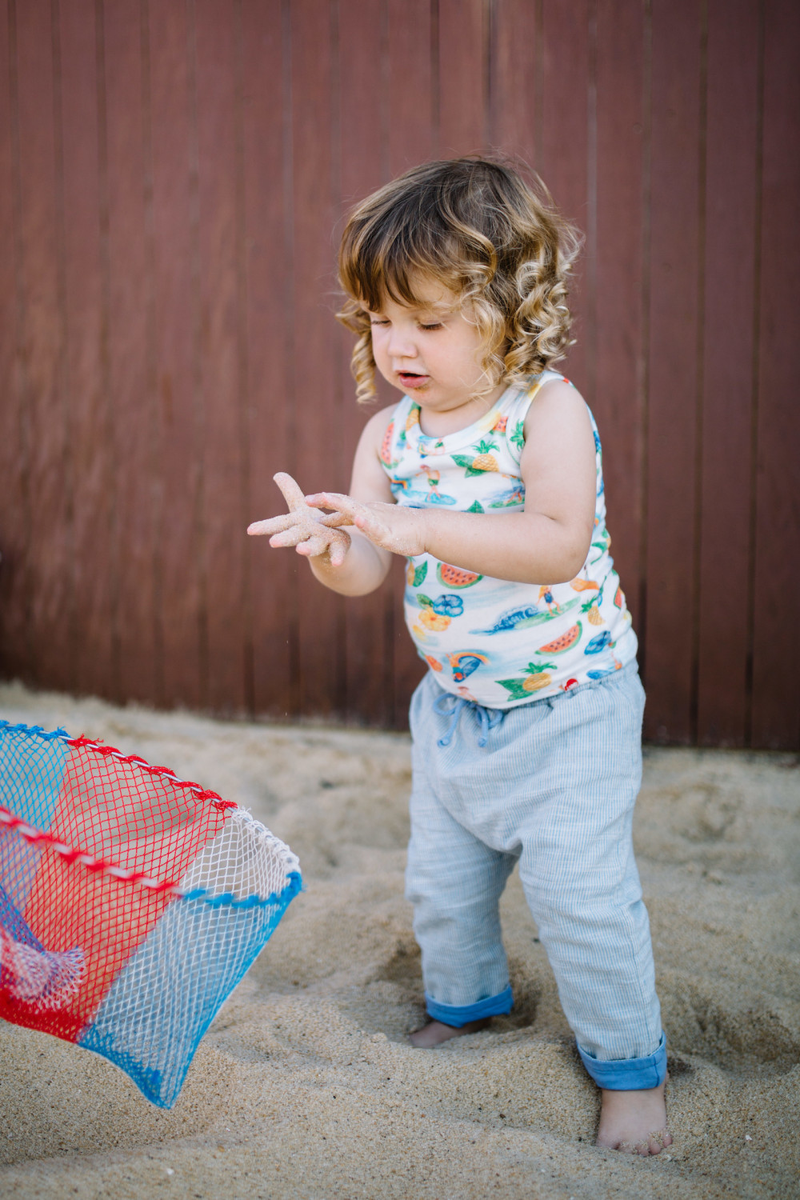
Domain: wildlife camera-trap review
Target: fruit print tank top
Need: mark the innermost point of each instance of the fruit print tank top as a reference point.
(499, 643)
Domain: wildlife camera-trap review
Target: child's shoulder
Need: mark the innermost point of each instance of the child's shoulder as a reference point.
(379, 429)
(550, 393)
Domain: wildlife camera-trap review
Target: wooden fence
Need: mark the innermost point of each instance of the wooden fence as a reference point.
(172, 176)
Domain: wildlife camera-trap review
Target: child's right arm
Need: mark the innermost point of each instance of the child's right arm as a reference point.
(346, 562)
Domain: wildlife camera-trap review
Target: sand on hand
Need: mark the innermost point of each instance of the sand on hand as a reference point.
(305, 1085)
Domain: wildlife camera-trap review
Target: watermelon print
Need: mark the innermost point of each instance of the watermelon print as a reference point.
(454, 577)
(565, 642)
(386, 447)
(476, 470)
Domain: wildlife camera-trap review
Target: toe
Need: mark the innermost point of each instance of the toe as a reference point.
(657, 1141)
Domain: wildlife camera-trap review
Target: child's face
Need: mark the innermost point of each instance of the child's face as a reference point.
(432, 353)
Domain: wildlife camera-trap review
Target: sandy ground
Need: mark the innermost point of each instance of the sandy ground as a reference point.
(305, 1086)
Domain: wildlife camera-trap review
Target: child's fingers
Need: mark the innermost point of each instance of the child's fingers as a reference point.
(272, 525)
(312, 546)
(291, 537)
(335, 519)
(292, 492)
(338, 550)
(335, 500)
(336, 544)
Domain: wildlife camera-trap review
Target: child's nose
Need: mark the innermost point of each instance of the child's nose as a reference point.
(401, 345)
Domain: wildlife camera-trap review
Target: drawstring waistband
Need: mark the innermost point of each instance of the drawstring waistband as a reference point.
(488, 718)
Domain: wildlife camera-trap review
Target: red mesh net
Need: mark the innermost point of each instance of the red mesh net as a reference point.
(107, 813)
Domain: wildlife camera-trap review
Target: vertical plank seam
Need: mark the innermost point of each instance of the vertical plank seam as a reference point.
(697, 531)
(644, 452)
(109, 438)
(488, 30)
(61, 400)
(198, 406)
(243, 372)
(436, 105)
(538, 86)
(755, 387)
(385, 93)
(150, 346)
(21, 379)
(293, 630)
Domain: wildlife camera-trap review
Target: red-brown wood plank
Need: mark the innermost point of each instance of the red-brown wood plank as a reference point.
(363, 72)
(731, 171)
(413, 137)
(563, 152)
(224, 477)
(89, 464)
(463, 76)
(45, 417)
(412, 134)
(14, 538)
(673, 369)
(617, 398)
(319, 453)
(267, 210)
(776, 657)
(178, 475)
(513, 80)
(131, 446)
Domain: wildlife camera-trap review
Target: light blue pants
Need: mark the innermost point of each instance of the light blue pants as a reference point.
(552, 787)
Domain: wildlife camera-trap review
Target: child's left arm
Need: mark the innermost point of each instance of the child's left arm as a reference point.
(547, 542)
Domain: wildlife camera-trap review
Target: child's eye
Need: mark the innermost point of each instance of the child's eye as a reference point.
(431, 325)
(378, 321)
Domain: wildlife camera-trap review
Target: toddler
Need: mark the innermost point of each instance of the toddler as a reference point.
(487, 478)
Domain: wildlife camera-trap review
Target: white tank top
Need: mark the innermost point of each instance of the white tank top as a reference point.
(499, 643)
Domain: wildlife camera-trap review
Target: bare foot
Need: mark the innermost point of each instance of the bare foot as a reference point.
(435, 1032)
(634, 1122)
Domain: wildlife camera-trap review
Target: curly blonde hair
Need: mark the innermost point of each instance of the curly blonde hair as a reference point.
(477, 227)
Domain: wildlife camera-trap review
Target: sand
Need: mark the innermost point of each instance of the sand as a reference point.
(305, 1086)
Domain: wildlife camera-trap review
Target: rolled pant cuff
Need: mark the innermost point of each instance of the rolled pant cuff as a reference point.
(629, 1074)
(461, 1014)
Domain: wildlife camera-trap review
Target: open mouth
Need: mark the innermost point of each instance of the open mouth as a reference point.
(412, 379)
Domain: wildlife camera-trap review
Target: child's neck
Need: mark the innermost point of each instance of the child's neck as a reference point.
(440, 424)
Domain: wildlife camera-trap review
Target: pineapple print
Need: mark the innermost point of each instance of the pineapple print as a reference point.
(484, 460)
(539, 677)
(413, 418)
(593, 613)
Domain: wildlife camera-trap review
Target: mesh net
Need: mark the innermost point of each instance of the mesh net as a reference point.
(131, 902)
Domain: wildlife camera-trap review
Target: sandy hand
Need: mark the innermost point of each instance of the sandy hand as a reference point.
(392, 526)
(304, 527)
